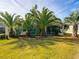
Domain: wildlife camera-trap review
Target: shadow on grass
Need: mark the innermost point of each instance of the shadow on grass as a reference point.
(31, 42)
(67, 40)
(44, 42)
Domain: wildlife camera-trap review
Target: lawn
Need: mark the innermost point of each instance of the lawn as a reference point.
(49, 48)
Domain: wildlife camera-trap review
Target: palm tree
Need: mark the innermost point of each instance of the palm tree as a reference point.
(28, 23)
(44, 18)
(30, 20)
(19, 26)
(9, 20)
(73, 19)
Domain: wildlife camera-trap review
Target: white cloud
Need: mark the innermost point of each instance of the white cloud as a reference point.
(23, 6)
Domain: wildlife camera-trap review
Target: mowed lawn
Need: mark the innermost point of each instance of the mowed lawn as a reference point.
(49, 48)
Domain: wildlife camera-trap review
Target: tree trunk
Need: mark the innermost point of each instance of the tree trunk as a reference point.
(11, 34)
(45, 31)
(42, 32)
(6, 32)
(75, 29)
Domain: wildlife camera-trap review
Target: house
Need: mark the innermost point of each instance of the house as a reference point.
(53, 30)
(70, 29)
(3, 31)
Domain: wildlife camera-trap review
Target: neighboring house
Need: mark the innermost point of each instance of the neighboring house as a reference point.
(3, 30)
(70, 29)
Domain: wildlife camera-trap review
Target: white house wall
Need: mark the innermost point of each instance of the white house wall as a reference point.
(6, 28)
(70, 29)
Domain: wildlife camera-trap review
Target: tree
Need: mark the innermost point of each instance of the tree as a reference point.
(44, 18)
(9, 20)
(19, 26)
(28, 23)
(73, 19)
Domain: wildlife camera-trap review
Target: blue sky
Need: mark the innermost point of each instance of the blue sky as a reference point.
(61, 8)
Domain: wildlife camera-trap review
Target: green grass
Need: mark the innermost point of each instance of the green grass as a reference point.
(37, 49)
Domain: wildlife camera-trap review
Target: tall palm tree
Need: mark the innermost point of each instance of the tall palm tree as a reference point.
(73, 19)
(44, 18)
(9, 20)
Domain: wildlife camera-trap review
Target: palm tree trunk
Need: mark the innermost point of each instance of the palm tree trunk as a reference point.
(42, 32)
(11, 32)
(45, 31)
(75, 29)
(6, 32)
